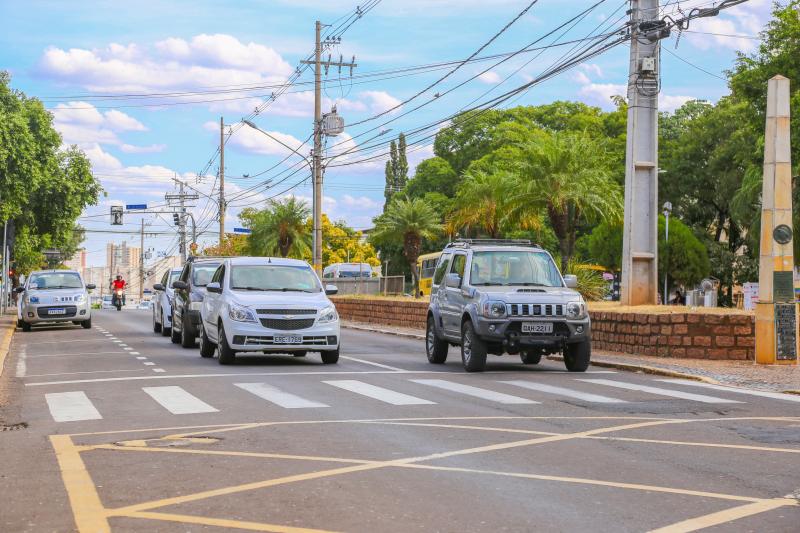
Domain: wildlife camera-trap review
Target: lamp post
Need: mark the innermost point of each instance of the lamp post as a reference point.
(667, 210)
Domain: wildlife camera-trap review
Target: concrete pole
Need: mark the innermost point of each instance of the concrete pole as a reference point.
(776, 310)
(640, 235)
(221, 181)
(317, 178)
(141, 262)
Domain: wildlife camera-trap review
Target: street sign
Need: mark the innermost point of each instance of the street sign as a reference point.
(243, 231)
(136, 206)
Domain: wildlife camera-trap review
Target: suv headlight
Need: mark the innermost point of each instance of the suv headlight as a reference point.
(494, 309)
(327, 315)
(576, 310)
(241, 314)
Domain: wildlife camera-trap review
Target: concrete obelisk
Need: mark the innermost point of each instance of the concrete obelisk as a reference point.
(776, 310)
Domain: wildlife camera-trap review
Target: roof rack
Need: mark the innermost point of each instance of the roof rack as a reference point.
(469, 243)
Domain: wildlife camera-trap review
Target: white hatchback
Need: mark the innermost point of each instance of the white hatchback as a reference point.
(273, 305)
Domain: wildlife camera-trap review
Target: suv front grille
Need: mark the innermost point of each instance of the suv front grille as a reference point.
(544, 310)
(560, 329)
(286, 325)
(286, 311)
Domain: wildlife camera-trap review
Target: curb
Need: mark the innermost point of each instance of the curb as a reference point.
(416, 336)
(5, 343)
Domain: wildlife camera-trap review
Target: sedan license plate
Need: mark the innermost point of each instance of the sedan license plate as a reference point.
(537, 327)
(288, 339)
(57, 312)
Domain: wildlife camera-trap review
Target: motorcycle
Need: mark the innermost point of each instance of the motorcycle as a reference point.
(118, 300)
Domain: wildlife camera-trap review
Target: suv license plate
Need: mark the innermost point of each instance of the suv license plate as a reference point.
(537, 327)
(287, 339)
(57, 312)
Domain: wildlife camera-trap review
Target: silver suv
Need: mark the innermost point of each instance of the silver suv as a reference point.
(505, 296)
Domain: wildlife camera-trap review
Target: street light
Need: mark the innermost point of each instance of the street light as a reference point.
(252, 125)
(667, 210)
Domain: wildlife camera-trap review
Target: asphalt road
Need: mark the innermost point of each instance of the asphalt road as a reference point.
(115, 427)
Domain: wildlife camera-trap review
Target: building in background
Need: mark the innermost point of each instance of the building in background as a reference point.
(77, 261)
(155, 271)
(125, 261)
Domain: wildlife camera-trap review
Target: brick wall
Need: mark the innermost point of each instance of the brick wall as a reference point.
(695, 335)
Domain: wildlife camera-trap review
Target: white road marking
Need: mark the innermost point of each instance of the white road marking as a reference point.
(134, 353)
(148, 363)
(177, 401)
(72, 354)
(121, 345)
(141, 358)
(21, 366)
(379, 365)
(159, 370)
(562, 391)
(378, 393)
(85, 372)
(128, 349)
(59, 342)
(751, 392)
(658, 390)
(71, 407)
(477, 392)
(277, 396)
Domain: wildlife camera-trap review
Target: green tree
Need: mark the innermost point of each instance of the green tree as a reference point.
(280, 229)
(432, 175)
(407, 222)
(396, 170)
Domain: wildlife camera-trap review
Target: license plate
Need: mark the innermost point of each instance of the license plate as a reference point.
(537, 327)
(57, 312)
(287, 339)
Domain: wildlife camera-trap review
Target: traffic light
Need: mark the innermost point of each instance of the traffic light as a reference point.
(116, 215)
(176, 218)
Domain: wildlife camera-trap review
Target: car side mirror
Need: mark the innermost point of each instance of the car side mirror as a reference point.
(180, 285)
(571, 281)
(19, 290)
(330, 290)
(214, 287)
(452, 280)
(91, 287)
(158, 287)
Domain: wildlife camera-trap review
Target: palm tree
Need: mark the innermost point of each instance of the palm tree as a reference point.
(406, 222)
(279, 229)
(567, 175)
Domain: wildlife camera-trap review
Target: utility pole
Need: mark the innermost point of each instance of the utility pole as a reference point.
(180, 217)
(141, 262)
(182, 224)
(317, 168)
(221, 181)
(640, 237)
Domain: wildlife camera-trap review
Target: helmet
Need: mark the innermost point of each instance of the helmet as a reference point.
(119, 276)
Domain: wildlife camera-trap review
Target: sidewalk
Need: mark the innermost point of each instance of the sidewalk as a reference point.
(734, 373)
(8, 324)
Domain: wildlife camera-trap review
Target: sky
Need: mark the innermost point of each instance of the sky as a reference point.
(141, 87)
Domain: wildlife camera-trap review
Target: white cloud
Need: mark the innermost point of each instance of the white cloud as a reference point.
(360, 203)
(251, 141)
(600, 94)
(667, 102)
(151, 149)
(119, 121)
(491, 77)
(83, 124)
(379, 101)
(579, 77)
(591, 68)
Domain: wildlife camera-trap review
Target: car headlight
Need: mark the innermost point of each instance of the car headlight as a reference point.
(494, 309)
(328, 314)
(33, 299)
(240, 313)
(79, 298)
(576, 310)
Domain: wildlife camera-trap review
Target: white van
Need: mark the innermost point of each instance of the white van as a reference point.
(347, 270)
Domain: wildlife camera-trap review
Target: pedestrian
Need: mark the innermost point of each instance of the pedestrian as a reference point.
(679, 298)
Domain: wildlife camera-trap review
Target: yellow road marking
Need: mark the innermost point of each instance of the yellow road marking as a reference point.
(87, 509)
(725, 516)
(223, 522)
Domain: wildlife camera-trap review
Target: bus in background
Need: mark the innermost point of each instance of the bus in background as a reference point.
(347, 270)
(426, 266)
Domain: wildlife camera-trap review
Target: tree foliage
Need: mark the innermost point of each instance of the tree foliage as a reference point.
(280, 229)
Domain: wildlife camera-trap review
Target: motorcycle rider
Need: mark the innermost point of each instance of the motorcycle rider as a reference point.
(119, 284)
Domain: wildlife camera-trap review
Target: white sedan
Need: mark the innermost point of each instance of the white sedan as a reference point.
(260, 304)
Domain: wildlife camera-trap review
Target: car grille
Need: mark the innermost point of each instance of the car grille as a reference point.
(560, 329)
(286, 311)
(287, 324)
(266, 340)
(44, 312)
(535, 309)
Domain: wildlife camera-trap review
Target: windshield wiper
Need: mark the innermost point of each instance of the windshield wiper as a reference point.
(287, 289)
(530, 284)
(248, 289)
(487, 284)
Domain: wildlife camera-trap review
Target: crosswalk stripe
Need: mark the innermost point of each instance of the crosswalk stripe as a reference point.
(658, 390)
(278, 396)
(177, 401)
(378, 393)
(477, 392)
(751, 392)
(562, 391)
(71, 406)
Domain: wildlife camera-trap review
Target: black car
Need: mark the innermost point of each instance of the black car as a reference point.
(190, 288)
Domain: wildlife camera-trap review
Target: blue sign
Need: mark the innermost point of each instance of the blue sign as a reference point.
(243, 231)
(136, 206)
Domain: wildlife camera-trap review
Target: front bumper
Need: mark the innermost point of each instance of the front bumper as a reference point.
(509, 332)
(41, 313)
(250, 337)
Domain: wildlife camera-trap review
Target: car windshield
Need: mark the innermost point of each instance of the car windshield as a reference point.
(274, 278)
(55, 280)
(514, 268)
(201, 274)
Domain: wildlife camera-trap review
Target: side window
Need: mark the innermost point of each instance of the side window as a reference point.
(459, 261)
(186, 271)
(164, 278)
(219, 275)
(441, 268)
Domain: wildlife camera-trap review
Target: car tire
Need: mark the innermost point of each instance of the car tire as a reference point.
(529, 357)
(299, 354)
(187, 341)
(330, 357)
(226, 355)
(473, 349)
(435, 348)
(157, 326)
(577, 355)
(174, 334)
(87, 324)
(165, 331)
(207, 348)
(26, 327)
